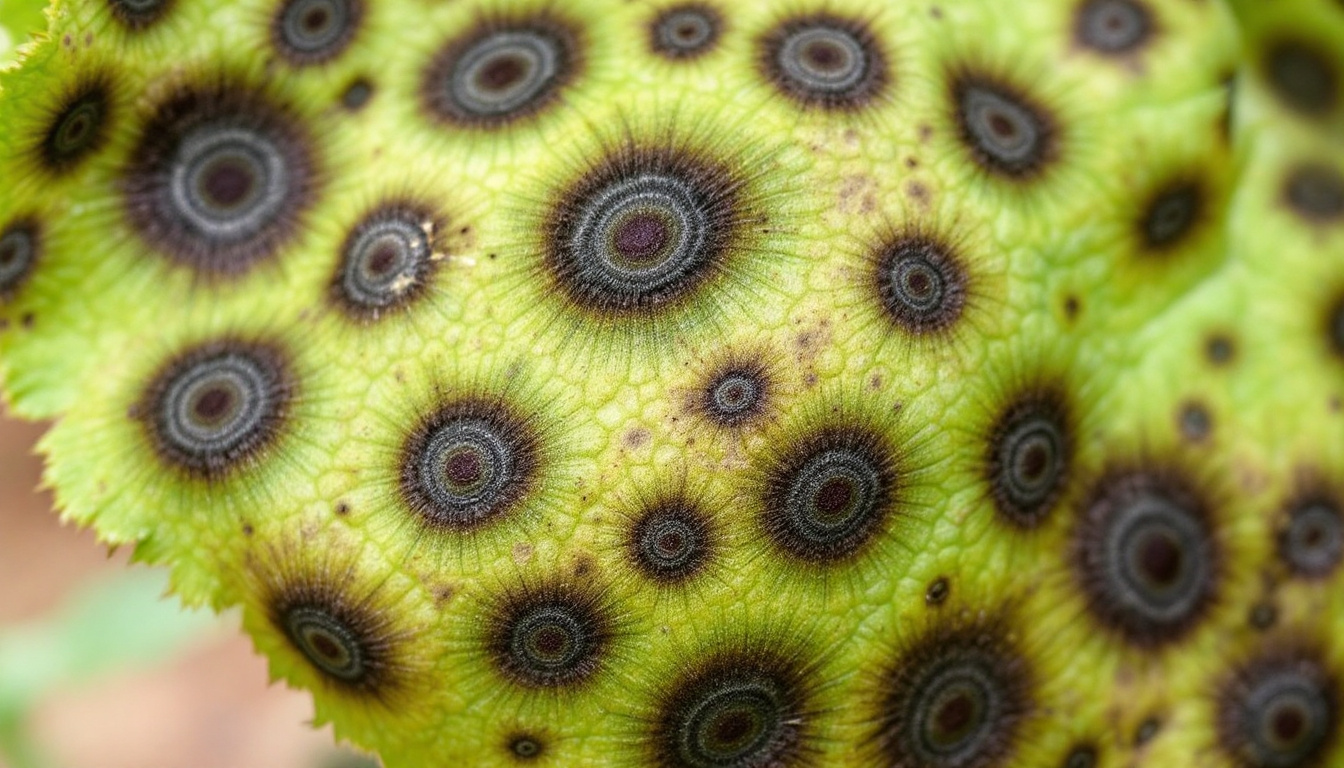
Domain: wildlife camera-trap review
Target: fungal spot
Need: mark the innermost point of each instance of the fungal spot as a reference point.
(1113, 27)
(735, 394)
(1006, 131)
(315, 31)
(357, 94)
(218, 406)
(824, 61)
(1334, 326)
(1312, 543)
(500, 72)
(387, 260)
(1315, 192)
(1279, 710)
(737, 709)
(78, 128)
(641, 232)
(1194, 422)
(920, 283)
(552, 637)
(1029, 457)
(350, 643)
(1148, 730)
(20, 249)
(938, 591)
(957, 697)
(671, 541)
(685, 32)
(470, 463)
(1220, 349)
(139, 14)
(1302, 76)
(526, 747)
(1081, 757)
(1145, 555)
(1263, 616)
(1072, 306)
(1170, 215)
(219, 179)
(828, 495)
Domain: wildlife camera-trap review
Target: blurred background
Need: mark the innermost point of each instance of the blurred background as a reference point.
(98, 670)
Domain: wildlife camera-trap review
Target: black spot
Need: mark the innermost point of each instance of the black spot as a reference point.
(78, 127)
(220, 178)
(736, 393)
(1312, 543)
(685, 31)
(1084, 756)
(641, 232)
(1302, 76)
(1194, 422)
(1005, 130)
(1262, 616)
(827, 495)
(824, 61)
(1315, 192)
(1334, 326)
(747, 709)
(1113, 27)
(218, 406)
(938, 591)
(139, 14)
(352, 644)
(1029, 457)
(357, 94)
(526, 747)
(387, 260)
(471, 462)
(555, 636)
(920, 283)
(20, 252)
(671, 541)
(1170, 215)
(957, 697)
(315, 31)
(1279, 710)
(1145, 555)
(1147, 731)
(501, 71)
(1220, 349)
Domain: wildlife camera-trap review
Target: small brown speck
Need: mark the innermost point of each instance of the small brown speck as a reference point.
(918, 192)
(911, 162)
(443, 593)
(583, 566)
(248, 530)
(1262, 616)
(937, 592)
(875, 381)
(1071, 307)
(925, 132)
(342, 508)
(522, 552)
(1220, 349)
(1194, 422)
(28, 320)
(637, 438)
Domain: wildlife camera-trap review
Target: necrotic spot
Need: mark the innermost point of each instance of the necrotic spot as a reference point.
(1315, 192)
(357, 94)
(332, 646)
(217, 406)
(957, 698)
(1278, 711)
(386, 260)
(470, 463)
(1029, 456)
(1302, 76)
(496, 74)
(219, 179)
(1170, 215)
(685, 32)
(550, 638)
(525, 747)
(78, 128)
(827, 497)
(1081, 757)
(734, 712)
(139, 14)
(1004, 130)
(670, 541)
(735, 395)
(314, 31)
(824, 61)
(1113, 26)
(20, 247)
(920, 283)
(1145, 556)
(1312, 544)
(641, 233)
